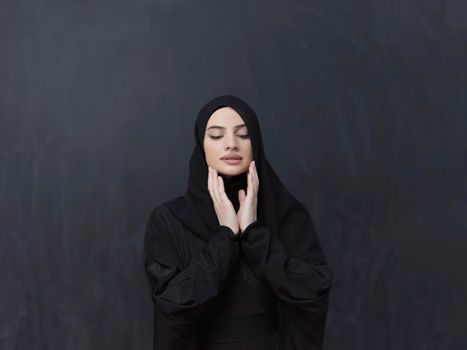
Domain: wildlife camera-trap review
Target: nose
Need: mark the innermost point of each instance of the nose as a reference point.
(231, 143)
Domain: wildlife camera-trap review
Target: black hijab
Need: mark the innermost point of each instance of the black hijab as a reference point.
(278, 210)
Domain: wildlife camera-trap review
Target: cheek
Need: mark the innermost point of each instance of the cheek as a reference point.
(250, 152)
(211, 150)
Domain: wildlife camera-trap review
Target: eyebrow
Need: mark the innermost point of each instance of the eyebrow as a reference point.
(221, 127)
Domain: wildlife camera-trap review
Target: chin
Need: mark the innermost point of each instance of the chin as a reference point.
(231, 171)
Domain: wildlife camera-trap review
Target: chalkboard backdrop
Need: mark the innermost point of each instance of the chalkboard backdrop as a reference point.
(363, 112)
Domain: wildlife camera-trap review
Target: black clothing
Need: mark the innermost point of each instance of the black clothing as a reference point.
(232, 185)
(267, 288)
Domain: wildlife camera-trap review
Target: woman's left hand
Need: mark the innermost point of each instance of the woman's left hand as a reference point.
(248, 203)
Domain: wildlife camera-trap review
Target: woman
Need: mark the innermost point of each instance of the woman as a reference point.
(235, 263)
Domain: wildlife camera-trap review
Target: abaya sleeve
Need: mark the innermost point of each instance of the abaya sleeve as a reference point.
(180, 292)
(295, 268)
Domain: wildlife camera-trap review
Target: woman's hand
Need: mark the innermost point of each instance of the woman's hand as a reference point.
(249, 202)
(222, 205)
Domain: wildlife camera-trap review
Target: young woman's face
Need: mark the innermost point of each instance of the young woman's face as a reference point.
(226, 135)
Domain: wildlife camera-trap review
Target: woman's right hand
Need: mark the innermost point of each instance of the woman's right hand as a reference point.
(222, 205)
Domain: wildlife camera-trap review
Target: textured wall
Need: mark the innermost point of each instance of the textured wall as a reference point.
(362, 105)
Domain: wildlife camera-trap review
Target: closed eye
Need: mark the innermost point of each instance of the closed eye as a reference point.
(218, 137)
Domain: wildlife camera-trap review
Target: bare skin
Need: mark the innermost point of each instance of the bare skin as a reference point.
(247, 212)
(225, 134)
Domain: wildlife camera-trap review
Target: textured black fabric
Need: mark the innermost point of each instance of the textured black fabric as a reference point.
(232, 185)
(244, 310)
(192, 263)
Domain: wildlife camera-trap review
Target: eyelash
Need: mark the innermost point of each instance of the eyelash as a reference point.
(218, 137)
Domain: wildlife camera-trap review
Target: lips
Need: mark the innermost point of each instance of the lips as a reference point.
(232, 156)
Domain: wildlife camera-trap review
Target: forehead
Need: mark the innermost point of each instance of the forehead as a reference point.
(225, 116)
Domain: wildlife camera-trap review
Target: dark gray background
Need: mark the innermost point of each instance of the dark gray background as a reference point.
(363, 112)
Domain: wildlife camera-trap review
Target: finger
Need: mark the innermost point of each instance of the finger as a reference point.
(252, 172)
(209, 181)
(222, 194)
(250, 183)
(254, 189)
(219, 189)
(215, 186)
(255, 177)
(212, 186)
(241, 195)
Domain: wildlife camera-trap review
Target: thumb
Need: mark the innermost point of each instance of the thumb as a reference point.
(241, 195)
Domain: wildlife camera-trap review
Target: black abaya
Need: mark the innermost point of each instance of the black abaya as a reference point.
(267, 288)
